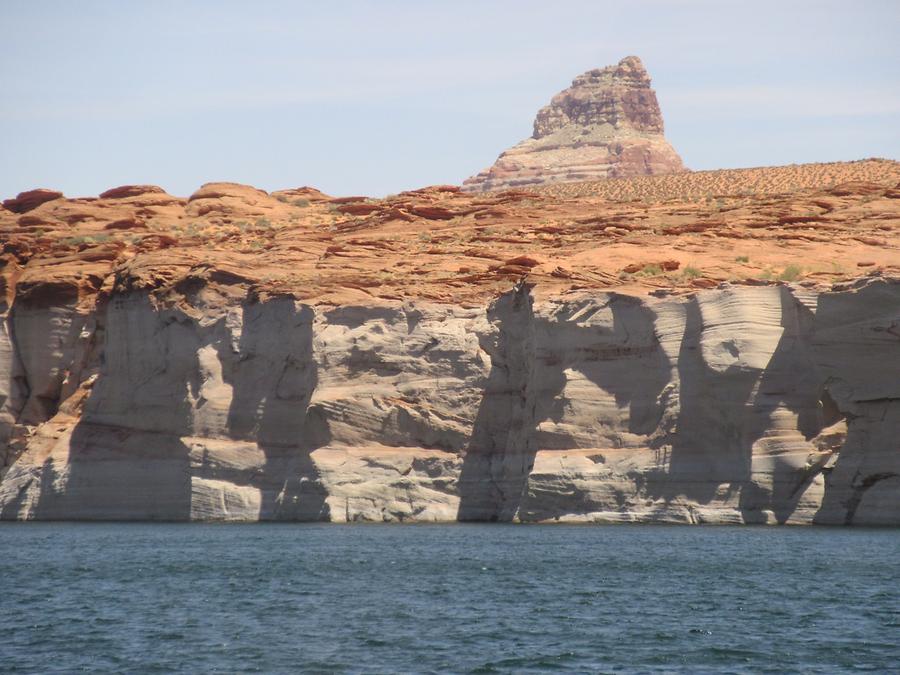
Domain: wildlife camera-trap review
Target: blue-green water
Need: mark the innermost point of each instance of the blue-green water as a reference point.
(458, 598)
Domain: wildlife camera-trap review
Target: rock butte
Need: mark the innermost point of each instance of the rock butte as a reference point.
(699, 347)
(606, 125)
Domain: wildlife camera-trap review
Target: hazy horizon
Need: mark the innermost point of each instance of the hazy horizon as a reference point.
(364, 98)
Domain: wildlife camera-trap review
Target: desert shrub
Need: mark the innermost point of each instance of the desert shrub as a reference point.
(742, 259)
(302, 203)
(691, 272)
(650, 270)
(790, 273)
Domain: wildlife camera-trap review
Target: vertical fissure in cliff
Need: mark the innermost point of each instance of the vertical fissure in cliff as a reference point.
(273, 376)
(502, 448)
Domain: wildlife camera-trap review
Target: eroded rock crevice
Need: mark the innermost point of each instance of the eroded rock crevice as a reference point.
(501, 450)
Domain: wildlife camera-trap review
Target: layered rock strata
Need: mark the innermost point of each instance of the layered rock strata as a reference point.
(772, 404)
(608, 124)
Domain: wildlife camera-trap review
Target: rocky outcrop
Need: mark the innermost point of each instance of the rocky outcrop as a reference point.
(774, 404)
(126, 191)
(606, 125)
(26, 201)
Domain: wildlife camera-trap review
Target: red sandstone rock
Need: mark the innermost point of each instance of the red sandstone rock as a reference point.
(25, 201)
(581, 234)
(857, 187)
(124, 191)
(125, 224)
(432, 189)
(523, 261)
(33, 221)
(704, 283)
(433, 212)
(357, 208)
(664, 265)
(247, 193)
(310, 194)
(347, 200)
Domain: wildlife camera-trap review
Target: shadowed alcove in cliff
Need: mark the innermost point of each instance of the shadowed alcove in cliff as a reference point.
(725, 412)
(529, 360)
(41, 329)
(863, 485)
(126, 459)
(273, 376)
(789, 382)
(707, 446)
(44, 325)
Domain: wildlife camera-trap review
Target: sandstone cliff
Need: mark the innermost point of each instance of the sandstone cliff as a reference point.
(434, 356)
(735, 405)
(606, 125)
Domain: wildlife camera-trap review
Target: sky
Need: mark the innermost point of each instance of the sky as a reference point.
(378, 97)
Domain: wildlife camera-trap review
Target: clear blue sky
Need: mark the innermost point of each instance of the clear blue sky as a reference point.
(378, 97)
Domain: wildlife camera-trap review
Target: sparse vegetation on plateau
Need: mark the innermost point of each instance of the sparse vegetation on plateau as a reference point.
(691, 272)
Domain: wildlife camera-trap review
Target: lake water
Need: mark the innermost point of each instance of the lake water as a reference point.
(457, 598)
